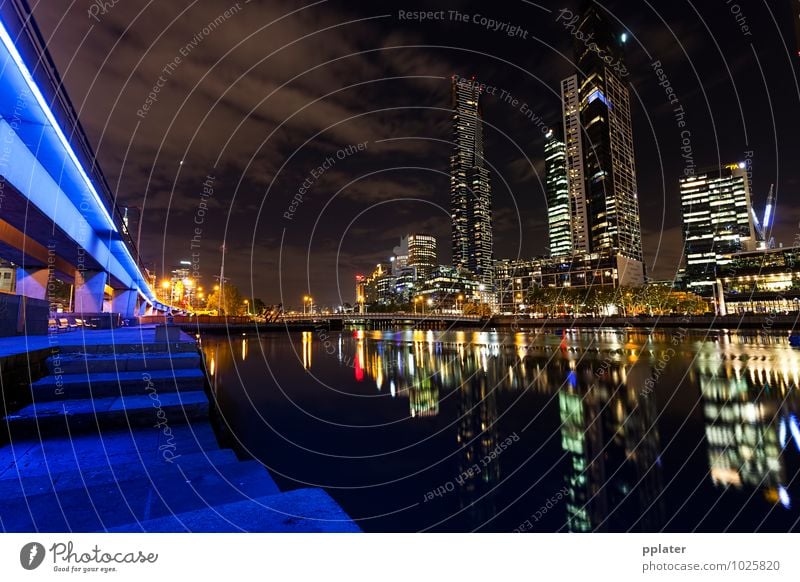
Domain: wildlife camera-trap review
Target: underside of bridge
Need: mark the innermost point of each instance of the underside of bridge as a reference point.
(58, 220)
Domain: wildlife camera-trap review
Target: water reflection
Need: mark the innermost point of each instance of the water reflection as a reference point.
(731, 399)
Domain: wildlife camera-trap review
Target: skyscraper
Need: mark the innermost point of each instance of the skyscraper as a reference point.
(422, 254)
(599, 95)
(470, 192)
(558, 202)
(573, 142)
(717, 221)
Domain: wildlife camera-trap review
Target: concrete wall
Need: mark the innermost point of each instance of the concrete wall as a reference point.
(23, 315)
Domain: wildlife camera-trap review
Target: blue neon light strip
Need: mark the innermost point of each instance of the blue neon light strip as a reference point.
(137, 275)
(12, 50)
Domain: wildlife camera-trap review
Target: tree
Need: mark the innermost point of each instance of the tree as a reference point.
(231, 304)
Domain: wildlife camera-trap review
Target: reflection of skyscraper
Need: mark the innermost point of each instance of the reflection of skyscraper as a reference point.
(609, 433)
(470, 192)
(743, 443)
(558, 204)
(608, 169)
(477, 436)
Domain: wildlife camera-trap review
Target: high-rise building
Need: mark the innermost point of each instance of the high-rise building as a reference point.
(573, 143)
(717, 221)
(422, 254)
(470, 192)
(558, 204)
(602, 160)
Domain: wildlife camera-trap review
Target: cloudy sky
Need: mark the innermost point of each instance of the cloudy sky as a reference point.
(271, 97)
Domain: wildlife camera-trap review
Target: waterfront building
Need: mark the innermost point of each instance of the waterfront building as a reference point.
(378, 288)
(559, 219)
(513, 280)
(601, 170)
(448, 289)
(573, 150)
(762, 281)
(470, 191)
(589, 270)
(717, 221)
(422, 254)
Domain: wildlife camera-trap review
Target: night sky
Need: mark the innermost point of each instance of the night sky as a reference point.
(260, 100)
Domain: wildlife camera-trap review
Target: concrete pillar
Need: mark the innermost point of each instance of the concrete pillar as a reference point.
(89, 291)
(32, 282)
(124, 302)
(144, 309)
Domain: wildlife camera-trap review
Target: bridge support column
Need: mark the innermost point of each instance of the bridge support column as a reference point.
(32, 282)
(90, 289)
(124, 302)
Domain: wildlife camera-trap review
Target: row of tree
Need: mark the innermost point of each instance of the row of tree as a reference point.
(651, 299)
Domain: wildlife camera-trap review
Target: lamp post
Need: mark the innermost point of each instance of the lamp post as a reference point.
(247, 307)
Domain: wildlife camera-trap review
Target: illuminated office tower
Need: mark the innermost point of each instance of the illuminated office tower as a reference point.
(470, 192)
(717, 221)
(558, 206)
(422, 255)
(573, 144)
(608, 170)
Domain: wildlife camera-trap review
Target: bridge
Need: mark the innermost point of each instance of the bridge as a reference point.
(379, 320)
(58, 217)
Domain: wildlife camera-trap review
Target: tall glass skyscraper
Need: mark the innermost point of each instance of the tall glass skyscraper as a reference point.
(470, 192)
(558, 201)
(422, 254)
(601, 167)
(716, 221)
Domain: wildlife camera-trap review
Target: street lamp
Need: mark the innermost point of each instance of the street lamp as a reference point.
(460, 298)
(430, 304)
(310, 300)
(247, 307)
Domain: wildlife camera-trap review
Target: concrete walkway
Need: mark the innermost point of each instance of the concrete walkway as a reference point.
(117, 438)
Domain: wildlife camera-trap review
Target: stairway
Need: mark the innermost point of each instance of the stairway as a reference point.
(120, 440)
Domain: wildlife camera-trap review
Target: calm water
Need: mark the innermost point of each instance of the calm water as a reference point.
(581, 431)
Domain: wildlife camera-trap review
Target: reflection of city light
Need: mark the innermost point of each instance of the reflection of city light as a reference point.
(783, 495)
(306, 350)
(795, 430)
(782, 433)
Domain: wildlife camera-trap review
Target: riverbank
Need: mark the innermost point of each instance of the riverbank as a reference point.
(113, 431)
(766, 322)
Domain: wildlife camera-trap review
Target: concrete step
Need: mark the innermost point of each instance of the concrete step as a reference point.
(172, 490)
(72, 344)
(80, 363)
(67, 417)
(301, 510)
(102, 384)
(86, 452)
(78, 477)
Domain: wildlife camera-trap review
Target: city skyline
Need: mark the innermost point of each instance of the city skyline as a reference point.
(383, 201)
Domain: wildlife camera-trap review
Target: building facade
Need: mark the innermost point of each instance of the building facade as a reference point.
(573, 143)
(559, 219)
(470, 192)
(422, 254)
(717, 221)
(601, 170)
